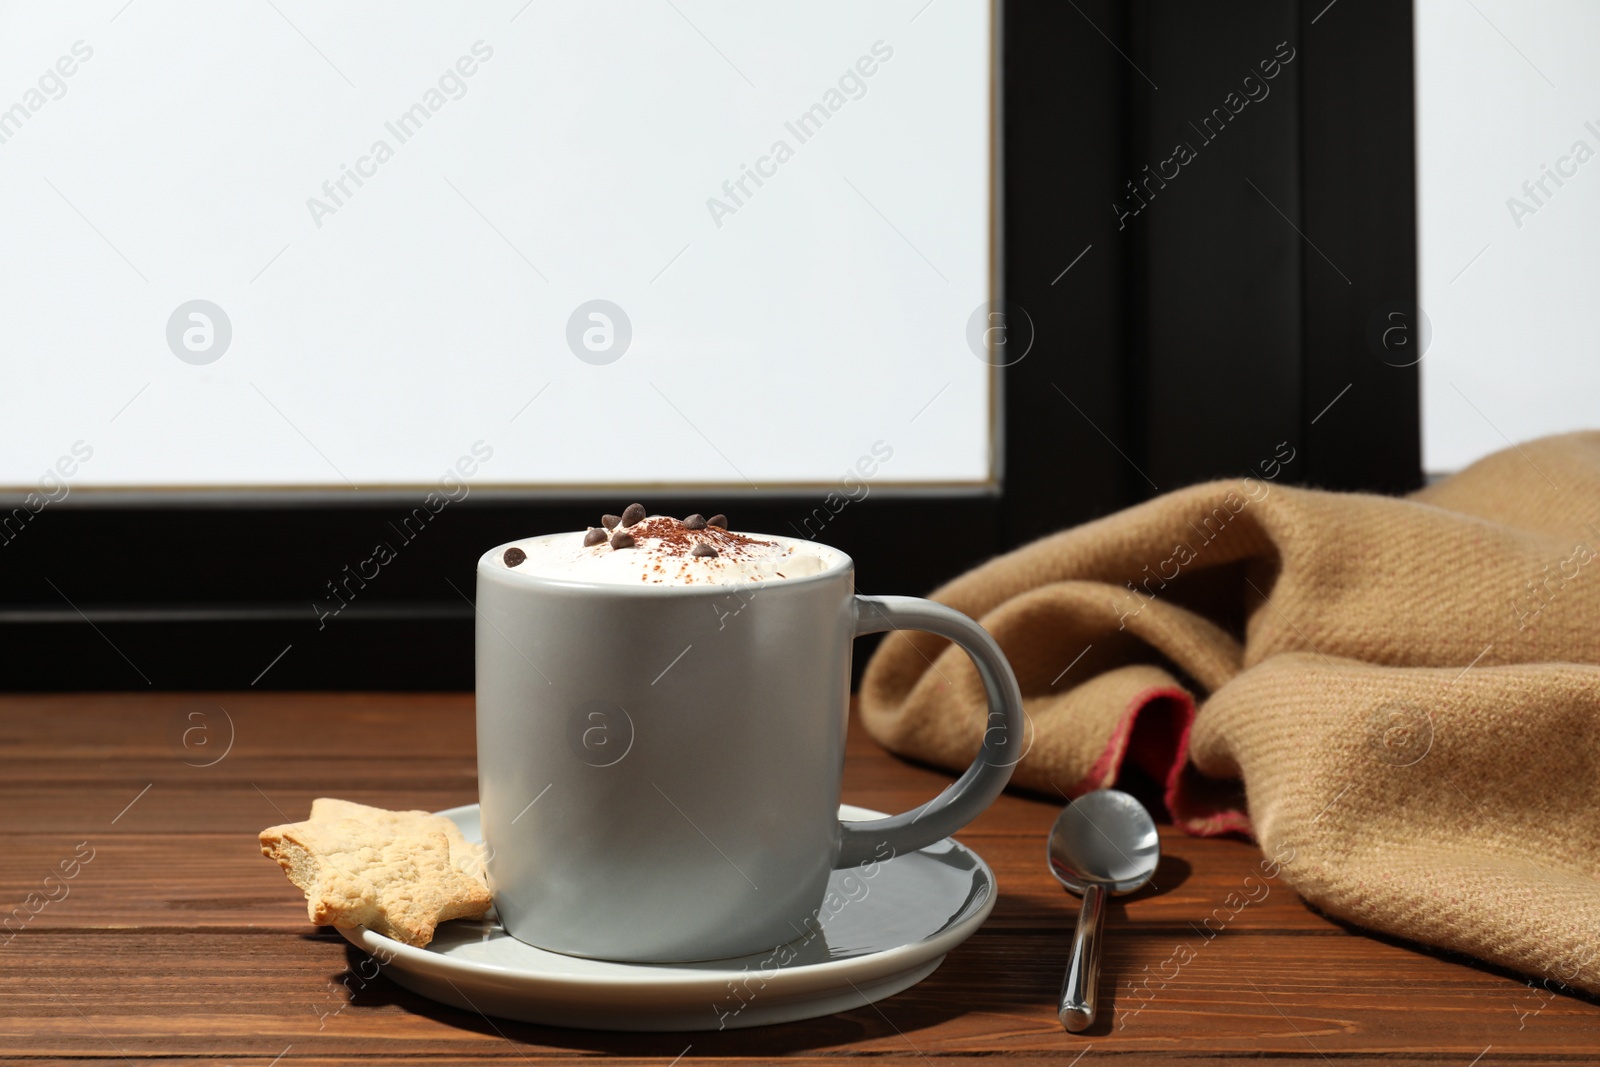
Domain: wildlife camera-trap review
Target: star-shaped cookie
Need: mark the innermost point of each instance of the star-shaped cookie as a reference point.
(394, 877)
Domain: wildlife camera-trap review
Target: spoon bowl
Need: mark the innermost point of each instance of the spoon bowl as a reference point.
(1102, 843)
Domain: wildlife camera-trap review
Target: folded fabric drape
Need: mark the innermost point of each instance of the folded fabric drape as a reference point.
(1406, 688)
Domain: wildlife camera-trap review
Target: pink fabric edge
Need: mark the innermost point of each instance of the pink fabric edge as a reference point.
(1187, 814)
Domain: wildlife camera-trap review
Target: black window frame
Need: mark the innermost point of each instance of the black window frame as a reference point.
(1145, 373)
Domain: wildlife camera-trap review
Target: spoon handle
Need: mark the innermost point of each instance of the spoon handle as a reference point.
(1083, 969)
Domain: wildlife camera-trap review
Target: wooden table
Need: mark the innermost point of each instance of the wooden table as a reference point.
(177, 941)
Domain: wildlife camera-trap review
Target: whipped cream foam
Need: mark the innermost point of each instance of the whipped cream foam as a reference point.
(666, 551)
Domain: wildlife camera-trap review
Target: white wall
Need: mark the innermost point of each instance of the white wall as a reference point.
(1506, 92)
(374, 339)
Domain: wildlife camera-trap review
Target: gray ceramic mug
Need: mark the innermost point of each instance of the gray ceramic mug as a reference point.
(659, 766)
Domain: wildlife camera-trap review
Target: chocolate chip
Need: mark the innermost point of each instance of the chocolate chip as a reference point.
(514, 556)
(595, 536)
(718, 520)
(703, 549)
(621, 540)
(610, 521)
(696, 521)
(632, 514)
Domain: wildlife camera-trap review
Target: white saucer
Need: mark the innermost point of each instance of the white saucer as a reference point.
(891, 931)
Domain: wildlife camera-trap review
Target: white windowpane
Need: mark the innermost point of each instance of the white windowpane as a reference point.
(1508, 177)
(509, 164)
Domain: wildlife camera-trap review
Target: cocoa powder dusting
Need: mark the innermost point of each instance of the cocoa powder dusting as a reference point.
(676, 539)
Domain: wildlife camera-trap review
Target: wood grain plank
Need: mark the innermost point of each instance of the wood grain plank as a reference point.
(237, 994)
(221, 879)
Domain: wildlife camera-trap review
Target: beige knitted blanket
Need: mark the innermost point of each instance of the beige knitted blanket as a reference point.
(1406, 688)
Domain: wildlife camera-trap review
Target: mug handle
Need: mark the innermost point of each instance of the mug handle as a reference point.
(965, 798)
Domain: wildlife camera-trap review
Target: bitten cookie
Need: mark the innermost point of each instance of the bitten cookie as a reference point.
(360, 873)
